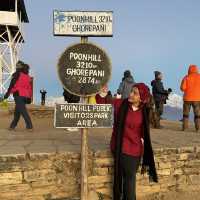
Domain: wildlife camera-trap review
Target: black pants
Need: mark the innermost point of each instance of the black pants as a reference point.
(20, 109)
(159, 107)
(43, 101)
(130, 166)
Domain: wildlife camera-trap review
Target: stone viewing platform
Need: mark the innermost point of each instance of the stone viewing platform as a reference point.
(45, 164)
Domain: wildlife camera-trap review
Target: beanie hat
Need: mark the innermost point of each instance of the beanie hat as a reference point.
(144, 92)
(20, 64)
(157, 73)
(127, 73)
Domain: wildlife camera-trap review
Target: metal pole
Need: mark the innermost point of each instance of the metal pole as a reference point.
(84, 39)
(1, 74)
(84, 151)
(12, 54)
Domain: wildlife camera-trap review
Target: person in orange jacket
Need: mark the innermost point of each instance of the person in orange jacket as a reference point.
(190, 85)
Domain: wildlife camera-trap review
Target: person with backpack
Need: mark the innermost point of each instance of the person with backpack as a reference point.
(21, 88)
(126, 85)
(160, 95)
(190, 85)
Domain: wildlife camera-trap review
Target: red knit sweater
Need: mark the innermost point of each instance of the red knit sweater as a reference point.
(133, 131)
(103, 100)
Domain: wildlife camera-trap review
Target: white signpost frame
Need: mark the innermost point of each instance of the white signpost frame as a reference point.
(83, 23)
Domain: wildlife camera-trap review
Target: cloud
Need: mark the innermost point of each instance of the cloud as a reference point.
(175, 100)
(51, 101)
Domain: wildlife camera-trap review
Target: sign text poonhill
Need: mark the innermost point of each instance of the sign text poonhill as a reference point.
(83, 23)
(84, 69)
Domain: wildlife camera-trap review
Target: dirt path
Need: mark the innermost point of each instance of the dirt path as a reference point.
(170, 136)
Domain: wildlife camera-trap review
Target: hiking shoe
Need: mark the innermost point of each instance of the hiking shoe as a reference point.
(29, 129)
(159, 127)
(197, 130)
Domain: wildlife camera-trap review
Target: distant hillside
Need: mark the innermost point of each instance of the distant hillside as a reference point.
(173, 109)
(172, 113)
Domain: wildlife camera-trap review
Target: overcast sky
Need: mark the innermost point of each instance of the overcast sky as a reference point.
(148, 36)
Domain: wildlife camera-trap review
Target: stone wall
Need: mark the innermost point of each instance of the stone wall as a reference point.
(57, 176)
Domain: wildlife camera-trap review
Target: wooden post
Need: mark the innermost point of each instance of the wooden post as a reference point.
(84, 39)
(84, 151)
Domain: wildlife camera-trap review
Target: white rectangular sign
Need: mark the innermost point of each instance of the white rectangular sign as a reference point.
(83, 115)
(83, 23)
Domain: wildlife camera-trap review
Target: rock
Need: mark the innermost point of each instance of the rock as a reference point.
(93, 195)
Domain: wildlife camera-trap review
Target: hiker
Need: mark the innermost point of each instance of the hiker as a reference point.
(70, 98)
(104, 96)
(126, 85)
(160, 95)
(21, 88)
(190, 85)
(131, 143)
(43, 93)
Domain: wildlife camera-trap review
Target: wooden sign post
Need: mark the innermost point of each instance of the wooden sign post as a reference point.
(84, 151)
(84, 158)
(83, 70)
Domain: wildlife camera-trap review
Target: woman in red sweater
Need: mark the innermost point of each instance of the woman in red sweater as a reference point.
(131, 142)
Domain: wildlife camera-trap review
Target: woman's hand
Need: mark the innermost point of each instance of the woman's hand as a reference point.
(142, 140)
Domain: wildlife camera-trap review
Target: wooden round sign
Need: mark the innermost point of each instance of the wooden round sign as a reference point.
(83, 69)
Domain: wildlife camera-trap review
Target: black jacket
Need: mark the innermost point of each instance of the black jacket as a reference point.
(159, 93)
(70, 98)
(43, 93)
